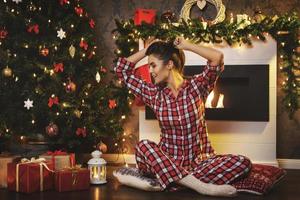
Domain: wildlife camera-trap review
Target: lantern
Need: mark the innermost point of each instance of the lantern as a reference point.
(97, 167)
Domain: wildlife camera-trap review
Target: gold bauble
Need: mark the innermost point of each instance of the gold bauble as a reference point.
(71, 87)
(7, 71)
(77, 113)
(102, 147)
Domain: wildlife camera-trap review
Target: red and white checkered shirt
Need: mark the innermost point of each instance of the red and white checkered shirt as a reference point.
(184, 133)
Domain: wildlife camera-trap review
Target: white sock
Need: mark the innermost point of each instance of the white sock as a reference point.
(207, 188)
(130, 177)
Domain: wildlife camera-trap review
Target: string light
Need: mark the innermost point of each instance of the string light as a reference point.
(32, 121)
(123, 117)
(231, 18)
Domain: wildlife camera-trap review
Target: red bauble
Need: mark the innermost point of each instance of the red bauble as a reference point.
(3, 34)
(79, 11)
(44, 52)
(52, 129)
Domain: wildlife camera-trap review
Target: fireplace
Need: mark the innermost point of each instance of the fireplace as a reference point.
(241, 94)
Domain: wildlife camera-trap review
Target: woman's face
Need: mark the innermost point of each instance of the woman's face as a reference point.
(158, 70)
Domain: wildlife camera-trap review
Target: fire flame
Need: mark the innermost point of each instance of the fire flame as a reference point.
(220, 104)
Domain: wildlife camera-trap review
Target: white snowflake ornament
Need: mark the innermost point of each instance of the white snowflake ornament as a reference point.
(28, 104)
(61, 34)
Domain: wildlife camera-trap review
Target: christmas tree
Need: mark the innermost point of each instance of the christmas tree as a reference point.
(52, 76)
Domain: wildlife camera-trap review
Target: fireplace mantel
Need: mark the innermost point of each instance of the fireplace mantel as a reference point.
(257, 140)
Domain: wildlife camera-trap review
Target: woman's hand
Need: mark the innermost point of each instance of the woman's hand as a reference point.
(149, 41)
(181, 43)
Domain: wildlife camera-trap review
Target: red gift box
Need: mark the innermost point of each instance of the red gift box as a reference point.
(30, 176)
(146, 15)
(143, 73)
(72, 179)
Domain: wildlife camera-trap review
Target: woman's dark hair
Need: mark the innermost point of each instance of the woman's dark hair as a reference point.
(166, 51)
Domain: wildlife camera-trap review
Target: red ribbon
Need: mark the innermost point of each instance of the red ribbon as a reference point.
(33, 28)
(81, 131)
(83, 44)
(52, 100)
(58, 67)
(112, 103)
(62, 2)
(92, 23)
(56, 152)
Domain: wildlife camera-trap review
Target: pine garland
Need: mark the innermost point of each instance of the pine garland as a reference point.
(284, 29)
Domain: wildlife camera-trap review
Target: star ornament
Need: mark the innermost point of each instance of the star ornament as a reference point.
(61, 34)
(28, 104)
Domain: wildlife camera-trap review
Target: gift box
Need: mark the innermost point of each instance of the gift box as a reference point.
(4, 160)
(72, 179)
(30, 175)
(143, 73)
(146, 15)
(60, 159)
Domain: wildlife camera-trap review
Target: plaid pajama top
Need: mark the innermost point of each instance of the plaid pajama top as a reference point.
(181, 119)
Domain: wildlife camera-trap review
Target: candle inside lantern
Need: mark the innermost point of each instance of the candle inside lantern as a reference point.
(95, 172)
(97, 168)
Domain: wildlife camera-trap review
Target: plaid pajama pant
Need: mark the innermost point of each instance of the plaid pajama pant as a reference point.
(152, 161)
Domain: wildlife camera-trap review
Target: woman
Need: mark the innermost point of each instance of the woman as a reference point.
(184, 154)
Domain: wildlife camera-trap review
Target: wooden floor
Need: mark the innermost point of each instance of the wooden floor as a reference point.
(287, 189)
